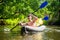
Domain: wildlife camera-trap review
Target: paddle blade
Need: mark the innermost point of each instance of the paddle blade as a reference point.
(46, 18)
(43, 4)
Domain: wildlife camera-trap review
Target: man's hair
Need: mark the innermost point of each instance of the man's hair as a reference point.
(29, 15)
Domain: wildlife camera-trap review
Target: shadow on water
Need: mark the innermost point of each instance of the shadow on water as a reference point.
(51, 33)
(26, 31)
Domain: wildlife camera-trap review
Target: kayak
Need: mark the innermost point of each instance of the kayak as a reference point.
(38, 29)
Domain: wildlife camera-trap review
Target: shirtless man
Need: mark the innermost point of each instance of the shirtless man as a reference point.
(33, 21)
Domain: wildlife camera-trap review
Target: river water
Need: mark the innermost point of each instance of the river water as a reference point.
(51, 33)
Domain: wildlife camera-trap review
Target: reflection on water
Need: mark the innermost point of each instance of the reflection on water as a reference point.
(51, 33)
(37, 36)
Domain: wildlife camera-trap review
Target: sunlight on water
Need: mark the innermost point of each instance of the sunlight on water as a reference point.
(6, 29)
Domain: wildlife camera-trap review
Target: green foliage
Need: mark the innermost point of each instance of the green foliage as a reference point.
(12, 21)
(17, 10)
(13, 7)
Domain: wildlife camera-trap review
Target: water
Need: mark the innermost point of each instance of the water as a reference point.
(51, 33)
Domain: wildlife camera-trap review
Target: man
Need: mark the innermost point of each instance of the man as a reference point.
(33, 21)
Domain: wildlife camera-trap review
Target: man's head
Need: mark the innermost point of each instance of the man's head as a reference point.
(29, 16)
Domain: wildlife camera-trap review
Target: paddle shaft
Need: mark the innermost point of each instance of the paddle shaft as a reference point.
(14, 27)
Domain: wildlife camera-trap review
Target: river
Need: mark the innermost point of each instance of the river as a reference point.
(51, 33)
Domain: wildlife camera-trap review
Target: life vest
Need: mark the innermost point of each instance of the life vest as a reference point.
(39, 22)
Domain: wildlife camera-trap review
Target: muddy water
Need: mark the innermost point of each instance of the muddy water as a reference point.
(51, 33)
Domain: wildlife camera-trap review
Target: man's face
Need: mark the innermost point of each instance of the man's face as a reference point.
(29, 17)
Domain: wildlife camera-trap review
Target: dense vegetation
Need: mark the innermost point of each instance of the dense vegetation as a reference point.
(13, 11)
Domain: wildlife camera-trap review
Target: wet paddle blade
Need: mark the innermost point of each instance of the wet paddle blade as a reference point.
(46, 18)
(43, 4)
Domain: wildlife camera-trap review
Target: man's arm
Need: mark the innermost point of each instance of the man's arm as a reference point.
(34, 17)
(22, 24)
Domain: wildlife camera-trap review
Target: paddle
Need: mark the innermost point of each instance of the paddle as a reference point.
(41, 6)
